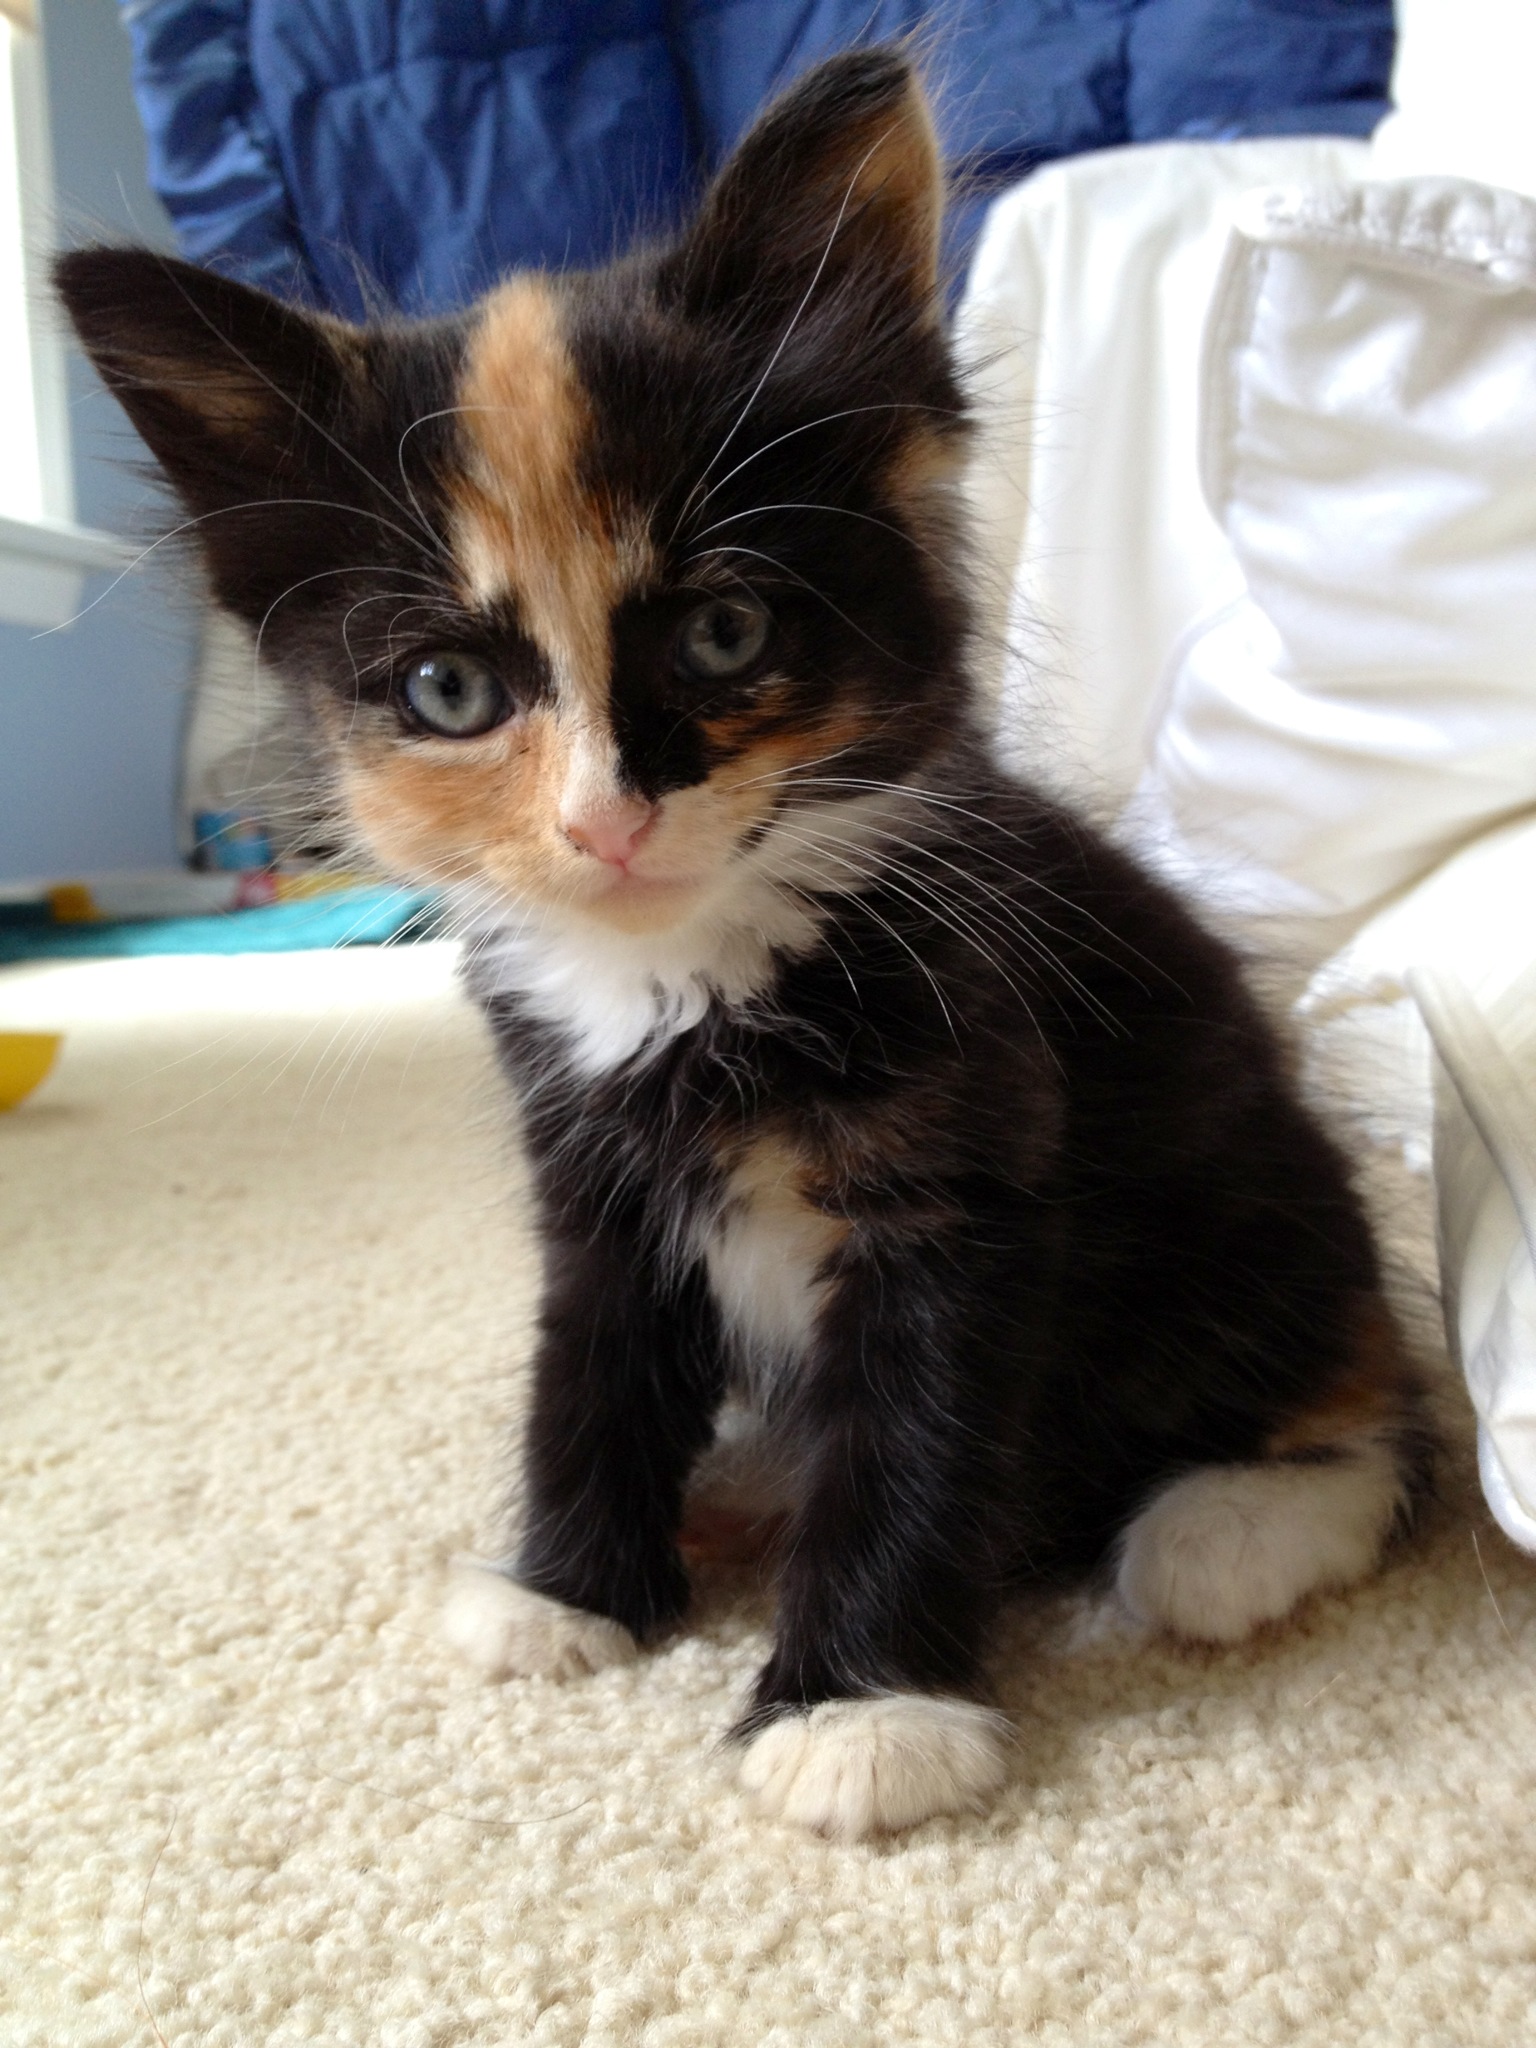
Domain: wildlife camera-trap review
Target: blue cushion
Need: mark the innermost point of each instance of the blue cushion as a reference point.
(404, 153)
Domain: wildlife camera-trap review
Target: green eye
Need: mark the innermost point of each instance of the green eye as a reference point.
(722, 638)
(456, 696)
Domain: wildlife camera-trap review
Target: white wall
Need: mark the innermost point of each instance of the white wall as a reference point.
(90, 717)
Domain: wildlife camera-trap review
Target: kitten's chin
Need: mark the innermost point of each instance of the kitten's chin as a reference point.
(618, 902)
(641, 903)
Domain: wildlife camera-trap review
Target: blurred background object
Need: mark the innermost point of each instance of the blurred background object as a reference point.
(352, 152)
(91, 711)
(359, 154)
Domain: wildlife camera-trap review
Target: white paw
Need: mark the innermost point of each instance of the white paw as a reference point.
(512, 1633)
(1229, 1547)
(852, 1768)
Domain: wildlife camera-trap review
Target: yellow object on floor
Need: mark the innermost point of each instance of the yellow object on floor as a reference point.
(302, 887)
(25, 1060)
(73, 903)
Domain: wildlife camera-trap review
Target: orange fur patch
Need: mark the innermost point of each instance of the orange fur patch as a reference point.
(467, 810)
(759, 745)
(770, 1168)
(744, 788)
(926, 461)
(231, 397)
(524, 525)
(1369, 1394)
(712, 1535)
(898, 183)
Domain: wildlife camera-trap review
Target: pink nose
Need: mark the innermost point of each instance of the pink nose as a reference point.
(613, 834)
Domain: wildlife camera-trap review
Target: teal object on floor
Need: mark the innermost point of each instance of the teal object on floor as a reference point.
(359, 917)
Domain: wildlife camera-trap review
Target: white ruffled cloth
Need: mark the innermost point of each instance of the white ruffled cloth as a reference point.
(1422, 1030)
(1368, 437)
(1485, 1184)
(1084, 320)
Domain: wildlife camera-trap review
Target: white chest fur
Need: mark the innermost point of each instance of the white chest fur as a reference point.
(766, 1253)
(612, 993)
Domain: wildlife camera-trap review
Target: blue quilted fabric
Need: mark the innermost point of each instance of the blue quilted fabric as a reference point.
(362, 154)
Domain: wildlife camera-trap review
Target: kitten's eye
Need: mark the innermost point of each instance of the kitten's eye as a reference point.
(455, 695)
(722, 638)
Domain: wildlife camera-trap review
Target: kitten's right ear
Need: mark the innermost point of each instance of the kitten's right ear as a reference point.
(839, 182)
(236, 394)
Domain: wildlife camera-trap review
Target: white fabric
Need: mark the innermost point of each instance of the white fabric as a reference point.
(1083, 321)
(1460, 948)
(1462, 84)
(1369, 447)
(1485, 1187)
(1367, 1049)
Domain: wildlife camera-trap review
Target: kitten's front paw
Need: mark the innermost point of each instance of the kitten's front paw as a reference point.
(851, 1768)
(513, 1633)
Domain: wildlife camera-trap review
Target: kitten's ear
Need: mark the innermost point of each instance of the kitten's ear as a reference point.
(235, 393)
(840, 177)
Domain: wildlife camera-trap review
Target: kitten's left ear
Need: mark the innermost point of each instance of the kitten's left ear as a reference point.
(840, 179)
(236, 394)
(248, 405)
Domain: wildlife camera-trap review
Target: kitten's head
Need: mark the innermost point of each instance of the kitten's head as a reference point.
(593, 588)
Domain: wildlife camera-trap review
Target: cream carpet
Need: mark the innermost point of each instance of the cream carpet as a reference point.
(265, 1290)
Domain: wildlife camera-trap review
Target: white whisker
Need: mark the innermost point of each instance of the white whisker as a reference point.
(809, 426)
(219, 512)
(839, 511)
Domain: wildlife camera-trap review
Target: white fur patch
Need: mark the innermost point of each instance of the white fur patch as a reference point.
(763, 1254)
(510, 1632)
(612, 993)
(852, 1768)
(1224, 1549)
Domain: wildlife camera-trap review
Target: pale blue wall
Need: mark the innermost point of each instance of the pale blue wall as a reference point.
(90, 718)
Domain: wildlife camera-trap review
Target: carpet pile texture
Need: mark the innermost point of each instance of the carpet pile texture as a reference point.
(268, 1286)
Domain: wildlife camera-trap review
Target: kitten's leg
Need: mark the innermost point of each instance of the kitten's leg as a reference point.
(861, 1720)
(1223, 1549)
(626, 1383)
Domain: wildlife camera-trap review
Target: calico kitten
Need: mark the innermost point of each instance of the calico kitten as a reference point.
(857, 1079)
